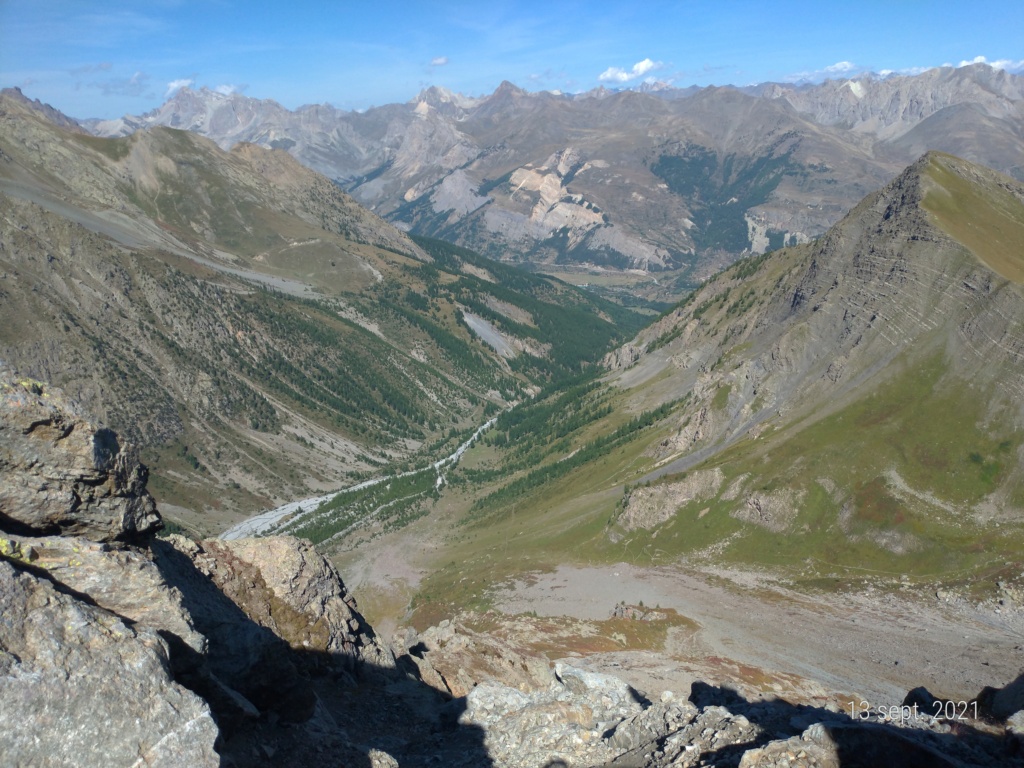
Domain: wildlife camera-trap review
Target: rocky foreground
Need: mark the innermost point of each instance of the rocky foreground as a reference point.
(120, 647)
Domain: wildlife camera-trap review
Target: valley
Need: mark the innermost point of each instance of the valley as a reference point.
(786, 476)
(298, 512)
(271, 339)
(729, 508)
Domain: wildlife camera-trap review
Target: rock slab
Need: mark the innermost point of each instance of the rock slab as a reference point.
(82, 687)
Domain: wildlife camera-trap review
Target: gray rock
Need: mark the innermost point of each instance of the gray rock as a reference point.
(242, 654)
(60, 474)
(567, 721)
(119, 578)
(453, 659)
(305, 603)
(79, 686)
(284, 585)
(652, 724)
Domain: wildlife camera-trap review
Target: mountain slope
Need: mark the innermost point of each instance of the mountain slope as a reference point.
(259, 333)
(841, 409)
(860, 399)
(682, 181)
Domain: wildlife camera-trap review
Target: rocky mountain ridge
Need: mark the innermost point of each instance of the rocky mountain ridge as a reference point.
(168, 652)
(661, 181)
(897, 316)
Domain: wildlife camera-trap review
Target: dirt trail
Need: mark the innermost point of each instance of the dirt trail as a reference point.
(877, 646)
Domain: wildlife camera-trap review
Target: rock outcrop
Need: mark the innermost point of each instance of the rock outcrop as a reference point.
(171, 652)
(284, 584)
(454, 659)
(60, 474)
(588, 719)
(120, 649)
(81, 686)
(121, 579)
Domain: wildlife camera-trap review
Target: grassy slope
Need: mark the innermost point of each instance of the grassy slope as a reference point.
(988, 220)
(915, 472)
(852, 517)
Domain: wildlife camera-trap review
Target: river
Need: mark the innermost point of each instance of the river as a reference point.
(263, 522)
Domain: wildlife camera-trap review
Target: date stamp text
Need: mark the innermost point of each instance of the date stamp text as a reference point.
(904, 713)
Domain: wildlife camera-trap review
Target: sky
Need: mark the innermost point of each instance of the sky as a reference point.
(107, 59)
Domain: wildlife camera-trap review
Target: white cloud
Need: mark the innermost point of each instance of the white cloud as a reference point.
(840, 67)
(1007, 64)
(176, 85)
(905, 72)
(847, 69)
(224, 90)
(619, 75)
(439, 61)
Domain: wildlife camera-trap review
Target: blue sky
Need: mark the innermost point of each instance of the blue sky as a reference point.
(92, 59)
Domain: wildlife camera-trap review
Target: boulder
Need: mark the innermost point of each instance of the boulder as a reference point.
(453, 659)
(241, 653)
(284, 585)
(80, 686)
(119, 578)
(566, 721)
(59, 474)
(305, 601)
(845, 745)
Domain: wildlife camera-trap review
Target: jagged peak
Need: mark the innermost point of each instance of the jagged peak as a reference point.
(601, 92)
(206, 97)
(47, 112)
(436, 93)
(506, 89)
(655, 86)
(441, 98)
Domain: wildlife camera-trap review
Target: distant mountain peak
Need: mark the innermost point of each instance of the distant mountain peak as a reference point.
(774, 163)
(49, 113)
(654, 86)
(442, 98)
(507, 88)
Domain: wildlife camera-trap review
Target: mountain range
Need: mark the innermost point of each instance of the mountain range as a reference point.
(677, 180)
(247, 323)
(827, 434)
(264, 337)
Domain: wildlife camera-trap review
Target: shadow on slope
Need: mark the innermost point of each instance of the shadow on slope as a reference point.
(277, 705)
(854, 738)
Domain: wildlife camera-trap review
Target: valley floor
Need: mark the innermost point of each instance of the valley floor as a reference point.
(865, 647)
